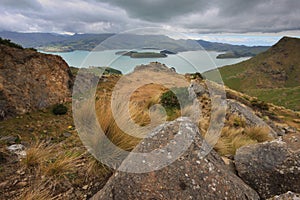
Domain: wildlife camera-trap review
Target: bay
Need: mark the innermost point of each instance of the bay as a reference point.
(183, 62)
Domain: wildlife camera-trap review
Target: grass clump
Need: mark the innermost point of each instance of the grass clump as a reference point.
(36, 155)
(60, 165)
(233, 138)
(237, 121)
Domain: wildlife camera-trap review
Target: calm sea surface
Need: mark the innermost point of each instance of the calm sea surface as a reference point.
(183, 62)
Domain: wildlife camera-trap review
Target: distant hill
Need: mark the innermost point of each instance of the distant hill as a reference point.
(32, 39)
(273, 75)
(56, 43)
(232, 51)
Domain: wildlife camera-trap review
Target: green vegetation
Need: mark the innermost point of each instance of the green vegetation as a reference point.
(174, 100)
(9, 43)
(135, 54)
(232, 51)
(272, 76)
(287, 97)
(234, 54)
(109, 70)
(259, 104)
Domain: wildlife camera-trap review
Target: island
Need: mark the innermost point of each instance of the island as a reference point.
(136, 54)
(234, 54)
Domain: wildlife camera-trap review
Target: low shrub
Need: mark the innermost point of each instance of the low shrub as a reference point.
(59, 109)
(175, 98)
(260, 104)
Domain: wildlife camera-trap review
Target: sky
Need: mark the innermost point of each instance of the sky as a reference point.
(235, 21)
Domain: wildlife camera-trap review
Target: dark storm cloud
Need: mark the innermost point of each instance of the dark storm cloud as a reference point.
(118, 15)
(217, 15)
(159, 10)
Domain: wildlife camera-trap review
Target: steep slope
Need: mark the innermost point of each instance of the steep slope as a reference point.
(278, 67)
(30, 80)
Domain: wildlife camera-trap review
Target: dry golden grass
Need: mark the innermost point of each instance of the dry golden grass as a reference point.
(49, 161)
(60, 165)
(236, 121)
(260, 134)
(37, 154)
(232, 138)
(95, 167)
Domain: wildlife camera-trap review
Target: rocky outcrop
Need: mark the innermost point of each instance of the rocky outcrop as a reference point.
(286, 196)
(30, 80)
(237, 108)
(154, 66)
(271, 168)
(191, 176)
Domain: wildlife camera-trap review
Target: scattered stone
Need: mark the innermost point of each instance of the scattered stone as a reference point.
(270, 168)
(85, 187)
(67, 134)
(185, 178)
(17, 149)
(21, 184)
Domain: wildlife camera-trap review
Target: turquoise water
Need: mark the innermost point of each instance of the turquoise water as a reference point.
(183, 62)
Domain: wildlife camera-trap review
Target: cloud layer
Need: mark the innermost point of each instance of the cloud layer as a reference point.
(202, 16)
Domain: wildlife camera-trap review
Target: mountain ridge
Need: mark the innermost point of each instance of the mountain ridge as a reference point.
(65, 43)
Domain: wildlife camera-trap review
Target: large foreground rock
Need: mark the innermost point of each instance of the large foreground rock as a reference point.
(30, 80)
(189, 177)
(271, 168)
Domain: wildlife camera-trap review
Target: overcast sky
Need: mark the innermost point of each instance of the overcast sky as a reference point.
(188, 16)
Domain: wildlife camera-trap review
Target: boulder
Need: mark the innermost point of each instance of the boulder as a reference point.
(237, 108)
(196, 89)
(286, 196)
(30, 80)
(17, 149)
(270, 168)
(192, 175)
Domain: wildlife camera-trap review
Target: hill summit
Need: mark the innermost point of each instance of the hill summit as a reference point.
(273, 75)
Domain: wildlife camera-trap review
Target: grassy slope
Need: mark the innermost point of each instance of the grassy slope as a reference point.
(68, 175)
(272, 76)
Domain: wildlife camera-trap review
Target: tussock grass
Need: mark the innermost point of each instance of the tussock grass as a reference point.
(233, 138)
(37, 154)
(258, 133)
(60, 165)
(236, 121)
(48, 161)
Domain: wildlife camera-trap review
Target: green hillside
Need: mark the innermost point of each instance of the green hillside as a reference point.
(272, 76)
